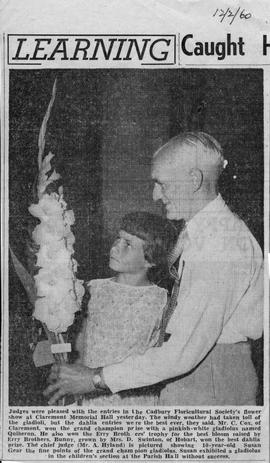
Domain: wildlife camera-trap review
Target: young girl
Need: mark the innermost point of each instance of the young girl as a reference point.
(124, 312)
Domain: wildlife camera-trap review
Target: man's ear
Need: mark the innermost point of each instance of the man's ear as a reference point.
(196, 178)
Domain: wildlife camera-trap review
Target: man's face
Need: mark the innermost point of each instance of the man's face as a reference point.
(127, 254)
(172, 186)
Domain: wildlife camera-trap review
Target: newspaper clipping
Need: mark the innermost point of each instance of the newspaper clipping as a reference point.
(135, 230)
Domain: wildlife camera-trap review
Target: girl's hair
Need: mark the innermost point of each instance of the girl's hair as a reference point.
(159, 236)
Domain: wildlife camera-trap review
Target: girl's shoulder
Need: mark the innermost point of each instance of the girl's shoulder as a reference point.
(157, 290)
(156, 294)
(97, 285)
(97, 282)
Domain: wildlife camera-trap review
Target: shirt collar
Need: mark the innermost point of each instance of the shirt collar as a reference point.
(205, 217)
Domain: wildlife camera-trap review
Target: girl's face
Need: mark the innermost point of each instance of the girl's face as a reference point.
(127, 255)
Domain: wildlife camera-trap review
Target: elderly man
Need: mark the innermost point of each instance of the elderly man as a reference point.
(206, 360)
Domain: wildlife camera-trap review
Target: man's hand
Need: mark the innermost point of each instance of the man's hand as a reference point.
(69, 379)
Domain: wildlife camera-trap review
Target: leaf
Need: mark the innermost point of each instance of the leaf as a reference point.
(26, 279)
(42, 132)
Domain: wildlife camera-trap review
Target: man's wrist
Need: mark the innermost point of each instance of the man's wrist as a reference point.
(98, 380)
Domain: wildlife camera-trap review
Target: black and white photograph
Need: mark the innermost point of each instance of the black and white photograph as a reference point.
(134, 230)
(136, 237)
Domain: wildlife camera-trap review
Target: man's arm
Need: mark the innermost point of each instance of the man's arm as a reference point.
(195, 327)
(74, 379)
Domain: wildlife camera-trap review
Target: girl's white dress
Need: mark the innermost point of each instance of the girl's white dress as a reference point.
(122, 321)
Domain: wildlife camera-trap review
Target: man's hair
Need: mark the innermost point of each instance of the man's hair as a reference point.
(159, 236)
(208, 150)
(205, 139)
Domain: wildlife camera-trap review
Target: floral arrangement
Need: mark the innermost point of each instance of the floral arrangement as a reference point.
(54, 291)
(59, 291)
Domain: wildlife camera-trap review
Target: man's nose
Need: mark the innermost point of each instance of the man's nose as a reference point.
(157, 193)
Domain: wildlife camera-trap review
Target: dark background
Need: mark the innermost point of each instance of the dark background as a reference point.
(104, 128)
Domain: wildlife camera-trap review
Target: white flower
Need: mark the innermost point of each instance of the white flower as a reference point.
(57, 315)
(79, 290)
(49, 285)
(42, 235)
(49, 253)
(70, 240)
(46, 232)
(69, 217)
(48, 206)
(63, 271)
(62, 257)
